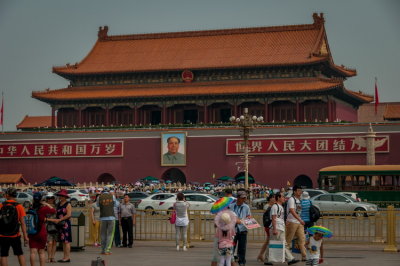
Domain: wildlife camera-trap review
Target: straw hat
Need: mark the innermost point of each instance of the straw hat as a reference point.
(225, 220)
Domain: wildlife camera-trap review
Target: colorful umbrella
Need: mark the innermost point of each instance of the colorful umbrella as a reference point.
(320, 229)
(221, 204)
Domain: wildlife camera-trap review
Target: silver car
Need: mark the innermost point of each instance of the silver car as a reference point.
(25, 199)
(336, 203)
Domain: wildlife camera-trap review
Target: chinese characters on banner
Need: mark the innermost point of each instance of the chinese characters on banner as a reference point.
(317, 145)
(61, 150)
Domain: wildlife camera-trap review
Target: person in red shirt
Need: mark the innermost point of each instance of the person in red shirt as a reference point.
(37, 242)
(14, 241)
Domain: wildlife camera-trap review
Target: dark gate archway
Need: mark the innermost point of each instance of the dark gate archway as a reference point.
(106, 178)
(175, 175)
(303, 181)
(240, 178)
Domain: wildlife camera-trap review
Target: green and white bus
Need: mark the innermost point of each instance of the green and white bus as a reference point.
(371, 182)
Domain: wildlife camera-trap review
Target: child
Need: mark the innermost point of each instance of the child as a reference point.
(315, 250)
(225, 222)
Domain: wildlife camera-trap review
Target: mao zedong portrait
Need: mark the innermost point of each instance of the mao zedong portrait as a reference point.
(173, 156)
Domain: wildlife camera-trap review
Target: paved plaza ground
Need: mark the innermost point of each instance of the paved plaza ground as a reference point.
(151, 253)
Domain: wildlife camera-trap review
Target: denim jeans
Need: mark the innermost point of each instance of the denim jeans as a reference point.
(181, 231)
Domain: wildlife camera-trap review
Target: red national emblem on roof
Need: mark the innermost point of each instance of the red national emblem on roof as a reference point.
(187, 76)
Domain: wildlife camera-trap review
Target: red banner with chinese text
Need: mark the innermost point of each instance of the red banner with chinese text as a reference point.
(61, 150)
(307, 145)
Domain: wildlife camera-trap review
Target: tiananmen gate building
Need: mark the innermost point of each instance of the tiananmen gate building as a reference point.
(132, 92)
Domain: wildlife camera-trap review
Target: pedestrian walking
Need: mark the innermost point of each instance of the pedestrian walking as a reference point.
(294, 223)
(127, 217)
(263, 255)
(278, 227)
(305, 214)
(37, 242)
(10, 235)
(106, 202)
(181, 207)
(242, 211)
(95, 215)
(117, 231)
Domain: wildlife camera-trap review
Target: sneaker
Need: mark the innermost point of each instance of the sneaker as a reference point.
(177, 248)
(184, 248)
(293, 261)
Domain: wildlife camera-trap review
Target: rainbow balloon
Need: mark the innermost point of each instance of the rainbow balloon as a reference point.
(221, 204)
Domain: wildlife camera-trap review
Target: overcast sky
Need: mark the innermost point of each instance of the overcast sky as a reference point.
(39, 34)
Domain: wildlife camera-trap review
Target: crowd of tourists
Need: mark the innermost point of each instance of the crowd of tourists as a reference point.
(48, 221)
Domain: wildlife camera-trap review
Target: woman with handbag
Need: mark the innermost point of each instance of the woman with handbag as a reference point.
(37, 242)
(64, 211)
(182, 220)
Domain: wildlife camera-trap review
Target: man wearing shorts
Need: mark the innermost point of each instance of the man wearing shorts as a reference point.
(14, 240)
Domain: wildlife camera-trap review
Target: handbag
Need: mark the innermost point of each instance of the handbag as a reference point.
(98, 262)
(276, 251)
(172, 219)
(60, 225)
(51, 228)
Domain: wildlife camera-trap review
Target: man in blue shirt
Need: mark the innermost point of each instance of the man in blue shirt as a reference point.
(242, 211)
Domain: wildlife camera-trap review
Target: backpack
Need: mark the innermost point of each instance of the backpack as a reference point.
(32, 222)
(267, 217)
(9, 222)
(315, 214)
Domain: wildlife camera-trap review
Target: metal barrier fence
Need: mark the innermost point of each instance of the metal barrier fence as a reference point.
(382, 227)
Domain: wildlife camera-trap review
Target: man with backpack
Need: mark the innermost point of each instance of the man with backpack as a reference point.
(294, 223)
(277, 228)
(11, 218)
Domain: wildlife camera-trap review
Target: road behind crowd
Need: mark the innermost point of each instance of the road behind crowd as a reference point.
(151, 253)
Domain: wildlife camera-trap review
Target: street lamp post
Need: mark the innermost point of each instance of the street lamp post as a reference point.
(246, 122)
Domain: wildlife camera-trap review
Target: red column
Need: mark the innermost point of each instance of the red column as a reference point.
(53, 117)
(329, 110)
(80, 117)
(164, 115)
(297, 111)
(135, 115)
(107, 116)
(266, 112)
(205, 114)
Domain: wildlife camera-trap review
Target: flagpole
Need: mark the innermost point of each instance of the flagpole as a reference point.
(376, 96)
(2, 112)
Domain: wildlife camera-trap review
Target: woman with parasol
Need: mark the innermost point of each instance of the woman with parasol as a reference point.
(314, 245)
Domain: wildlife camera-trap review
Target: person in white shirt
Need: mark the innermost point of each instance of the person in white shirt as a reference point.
(278, 227)
(294, 223)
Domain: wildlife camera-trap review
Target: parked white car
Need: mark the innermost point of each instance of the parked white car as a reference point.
(197, 201)
(25, 199)
(78, 197)
(153, 202)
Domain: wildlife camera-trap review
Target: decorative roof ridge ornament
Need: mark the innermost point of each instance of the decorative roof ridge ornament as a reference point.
(102, 34)
(318, 20)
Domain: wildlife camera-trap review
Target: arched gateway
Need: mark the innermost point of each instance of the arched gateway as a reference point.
(303, 181)
(175, 175)
(106, 178)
